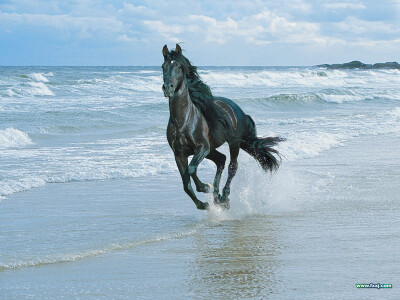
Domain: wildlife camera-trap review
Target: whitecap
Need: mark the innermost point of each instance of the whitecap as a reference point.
(9, 92)
(395, 112)
(341, 98)
(11, 186)
(38, 77)
(309, 144)
(40, 89)
(13, 138)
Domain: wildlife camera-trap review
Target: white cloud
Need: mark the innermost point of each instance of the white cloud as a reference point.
(169, 32)
(63, 22)
(356, 26)
(132, 11)
(282, 30)
(213, 30)
(262, 28)
(343, 5)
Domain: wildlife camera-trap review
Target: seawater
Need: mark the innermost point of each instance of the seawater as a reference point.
(101, 131)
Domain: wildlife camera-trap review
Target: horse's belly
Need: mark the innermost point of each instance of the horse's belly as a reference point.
(217, 139)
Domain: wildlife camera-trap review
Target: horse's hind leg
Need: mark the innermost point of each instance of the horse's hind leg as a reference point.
(233, 165)
(219, 159)
(182, 164)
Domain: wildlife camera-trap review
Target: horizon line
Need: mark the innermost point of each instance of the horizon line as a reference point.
(155, 65)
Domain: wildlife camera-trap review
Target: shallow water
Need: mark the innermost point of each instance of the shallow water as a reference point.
(92, 205)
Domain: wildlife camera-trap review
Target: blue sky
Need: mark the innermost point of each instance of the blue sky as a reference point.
(296, 32)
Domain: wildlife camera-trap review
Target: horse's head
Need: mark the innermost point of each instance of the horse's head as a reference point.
(173, 74)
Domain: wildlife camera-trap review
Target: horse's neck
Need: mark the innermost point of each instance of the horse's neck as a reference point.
(180, 105)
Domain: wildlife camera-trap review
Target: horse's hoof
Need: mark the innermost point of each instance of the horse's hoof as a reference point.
(217, 198)
(222, 201)
(206, 188)
(203, 206)
(224, 205)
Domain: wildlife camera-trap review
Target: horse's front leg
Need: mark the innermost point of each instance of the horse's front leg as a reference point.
(200, 186)
(182, 163)
(198, 156)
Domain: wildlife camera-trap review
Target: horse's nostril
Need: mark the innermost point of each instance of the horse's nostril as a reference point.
(172, 85)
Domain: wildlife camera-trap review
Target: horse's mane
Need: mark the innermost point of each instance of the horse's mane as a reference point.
(200, 93)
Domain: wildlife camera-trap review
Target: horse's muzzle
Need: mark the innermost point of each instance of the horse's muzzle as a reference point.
(168, 92)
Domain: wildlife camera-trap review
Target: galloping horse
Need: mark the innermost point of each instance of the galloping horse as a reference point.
(199, 123)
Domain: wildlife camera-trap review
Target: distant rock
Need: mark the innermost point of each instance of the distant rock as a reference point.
(359, 65)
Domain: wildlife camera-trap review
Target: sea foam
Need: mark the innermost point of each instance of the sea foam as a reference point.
(39, 77)
(40, 89)
(75, 256)
(13, 138)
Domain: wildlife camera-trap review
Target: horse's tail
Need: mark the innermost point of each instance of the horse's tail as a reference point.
(261, 147)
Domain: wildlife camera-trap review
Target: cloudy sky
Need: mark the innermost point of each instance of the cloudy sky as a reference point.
(212, 32)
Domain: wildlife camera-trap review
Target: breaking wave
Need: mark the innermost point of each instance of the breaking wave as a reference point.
(13, 138)
(39, 89)
(309, 144)
(113, 159)
(40, 76)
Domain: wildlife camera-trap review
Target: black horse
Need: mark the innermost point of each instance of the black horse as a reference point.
(199, 123)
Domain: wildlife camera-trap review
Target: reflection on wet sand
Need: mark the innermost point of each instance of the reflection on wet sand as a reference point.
(241, 264)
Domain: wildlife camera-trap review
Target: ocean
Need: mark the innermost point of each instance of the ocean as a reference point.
(92, 204)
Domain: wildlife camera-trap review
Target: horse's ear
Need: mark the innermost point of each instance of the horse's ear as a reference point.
(178, 49)
(165, 51)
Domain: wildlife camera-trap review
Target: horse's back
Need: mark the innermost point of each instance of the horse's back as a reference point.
(235, 116)
(234, 125)
(238, 111)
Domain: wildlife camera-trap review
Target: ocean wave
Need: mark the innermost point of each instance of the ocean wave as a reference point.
(340, 95)
(148, 71)
(299, 77)
(138, 83)
(276, 78)
(75, 256)
(13, 138)
(324, 96)
(309, 144)
(293, 98)
(395, 112)
(88, 171)
(9, 93)
(125, 82)
(11, 186)
(33, 84)
(144, 81)
(39, 89)
(100, 160)
(39, 77)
